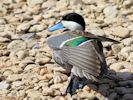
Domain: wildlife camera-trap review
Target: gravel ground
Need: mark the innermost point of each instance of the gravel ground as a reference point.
(27, 70)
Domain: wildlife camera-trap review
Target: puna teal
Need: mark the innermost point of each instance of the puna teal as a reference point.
(78, 51)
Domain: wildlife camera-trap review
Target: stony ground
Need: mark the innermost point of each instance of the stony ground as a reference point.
(27, 71)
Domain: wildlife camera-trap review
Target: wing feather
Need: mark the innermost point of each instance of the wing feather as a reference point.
(84, 58)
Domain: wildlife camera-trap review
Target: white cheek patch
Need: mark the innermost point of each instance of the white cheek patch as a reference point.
(72, 25)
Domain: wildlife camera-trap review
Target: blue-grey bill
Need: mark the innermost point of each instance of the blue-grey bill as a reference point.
(56, 27)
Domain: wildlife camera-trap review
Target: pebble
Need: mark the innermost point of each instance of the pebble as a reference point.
(17, 84)
(120, 32)
(16, 45)
(27, 36)
(4, 85)
(34, 2)
(42, 61)
(23, 27)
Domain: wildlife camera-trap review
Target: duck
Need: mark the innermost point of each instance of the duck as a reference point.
(78, 51)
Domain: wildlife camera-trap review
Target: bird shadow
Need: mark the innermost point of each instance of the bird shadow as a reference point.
(115, 86)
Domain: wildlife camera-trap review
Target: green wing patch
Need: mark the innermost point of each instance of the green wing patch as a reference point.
(76, 41)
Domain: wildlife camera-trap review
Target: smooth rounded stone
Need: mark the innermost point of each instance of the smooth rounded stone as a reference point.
(2, 21)
(7, 72)
(127, 41)
(130, 58)
(130, 17)
(23, 27)
(47, 76)
(60, 69)
(128, 83)
(124, 75)
(75, 2)
(124, 53)
(117, 66)
(103, 88)
(37, 17)
(17, 84)
(110, 11)
(49, 4)
(4, 85)
(21, 54)
(57, 79)
(30, 66)
(27, 36)
(87, 95)
(17, 45)
(116, 48)
(130, 27)
(14, 77)
(32, 52)
(127, 96)
(57, 86)
(113, 96)
(120, 32)
(16, 69)
(3, 39)
(62, 4)
(127, 3)
(88, 1)
(123, 90)
(43, 60)
(110, 61)
(34, 2)
(34, 94)
(26, 61)
(48, 91)
(37, 28)
(43, 71)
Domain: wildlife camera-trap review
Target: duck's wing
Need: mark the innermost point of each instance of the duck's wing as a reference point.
(54, 42)
(92, 36)
(86, 59)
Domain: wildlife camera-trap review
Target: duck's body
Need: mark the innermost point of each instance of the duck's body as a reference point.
(81, 54)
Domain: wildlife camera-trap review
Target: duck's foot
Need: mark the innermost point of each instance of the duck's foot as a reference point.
(75, 83)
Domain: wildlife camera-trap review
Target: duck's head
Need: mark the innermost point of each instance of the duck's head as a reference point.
(71, 21)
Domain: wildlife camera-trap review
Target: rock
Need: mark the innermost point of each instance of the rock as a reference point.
(116, 48)
(27, 36)
(17, 84)
(130, 17)
(21, 54)
(34, 94)
(120, 32)
(17, 45)
(57, 79)
(48, 91)
(86, 95)
(130, 27)
(3, 39)
(14, 77)
(34, 2)
(103, 88)
(128, 97)
(4, 85)
(75, 2)
(56, 86)
(127, 3)
(124, 53)
(2, 21)
(113, 96)
(128, 83)
(127, 41)
(43, 71)
(43, 60)
(7, 72)
(49, 4)
(110, 11)
(124, 75)
(89, 1)
(23, 27)
(123, 90)
(30, 66)
(117, 66)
